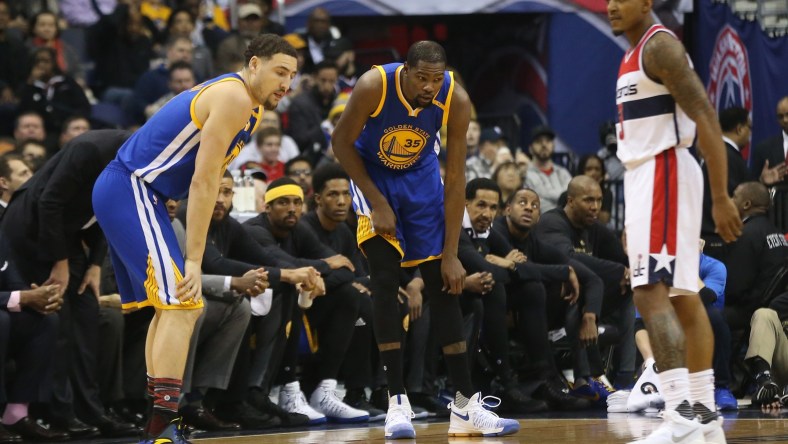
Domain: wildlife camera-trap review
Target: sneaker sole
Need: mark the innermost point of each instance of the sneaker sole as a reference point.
(507, 430)
(364, 418)
(377, 418)
(317, 421)
(401, 434)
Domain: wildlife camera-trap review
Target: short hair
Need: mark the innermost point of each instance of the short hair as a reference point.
(510, 199)
(326, 64)
(265, 46)
(501, 167)
(294, 160)
(326, 172)
(173, 40)
(480, 183)
(5, 166)
(578, 184)
(757, 193)
(25, 114)
(71, 119)
(268, 131)
(45, 49)
(174, 13)
(426, 51)
(732, 117)
(20, 147)
(581, 165)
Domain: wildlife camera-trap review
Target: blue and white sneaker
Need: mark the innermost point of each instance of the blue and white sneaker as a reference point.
(398, 417)
(173, 433)
(292, 400)
(476, 420)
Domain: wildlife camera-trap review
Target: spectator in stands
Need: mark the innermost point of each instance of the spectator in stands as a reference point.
(84, 13)
(14, 172)
(122, 47)
(543, 176)
(73, 127)
(300, 169)
(609, 142)
(251, 22)
(768, 157)
(157, 12)
(181, 24)
(331, 317)
(754, 257)
(51, 93)
(482, 164)
(327, 220)
(318, 37)
(472, 137)
(269, 142)
(736, 129)
(546, 305)
(287, 150)
(341, 52)
(33, 152)
(181, 78)
(28, 332)
(12, 75)
(309, 109)
(29, 125)
(45, 33)
(155, 83)
(507, 177)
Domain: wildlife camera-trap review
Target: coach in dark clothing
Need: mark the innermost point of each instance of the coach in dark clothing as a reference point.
(332, 315)
(768, 163)
(310, 108)
(28, 329)
(754, 257)
(46, 223)
(736, 130)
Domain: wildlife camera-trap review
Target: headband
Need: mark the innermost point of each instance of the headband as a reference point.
(284, 190)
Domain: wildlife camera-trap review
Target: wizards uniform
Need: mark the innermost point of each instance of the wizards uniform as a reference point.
(155, 164)
(397, 146)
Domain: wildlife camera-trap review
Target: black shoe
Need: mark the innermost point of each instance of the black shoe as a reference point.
(8, 437)
(246, 415)
(557, 397)
(513, 400)
(76, 428)
(767, 393)
(202, 419)
(30, 430)
(111, 426)
(259, 400)
(357, 398)
(126, 412)
(380, 398)
(430, 403)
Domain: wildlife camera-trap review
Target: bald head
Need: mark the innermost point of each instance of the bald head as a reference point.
(782, 113)
(751, 198)
(580, 185)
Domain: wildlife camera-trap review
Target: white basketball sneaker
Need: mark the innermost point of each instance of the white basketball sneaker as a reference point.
(325, 400)
(713, 432)
(475, 420)
(617, 401)
(646, 392)
(398, 417)
(674, 430)
(292, 399)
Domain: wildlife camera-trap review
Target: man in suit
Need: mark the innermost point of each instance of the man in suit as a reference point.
(768, 163)
(46, 223)
(736, 129)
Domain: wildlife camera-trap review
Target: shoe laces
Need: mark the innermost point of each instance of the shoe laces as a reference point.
(399, 413)
(484, 418)
(332, 403)
(299, 401)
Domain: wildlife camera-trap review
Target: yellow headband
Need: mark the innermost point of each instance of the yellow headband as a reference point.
(285, 190)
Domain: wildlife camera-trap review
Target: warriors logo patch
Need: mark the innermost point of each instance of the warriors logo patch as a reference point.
(400, 146)
(729, 72)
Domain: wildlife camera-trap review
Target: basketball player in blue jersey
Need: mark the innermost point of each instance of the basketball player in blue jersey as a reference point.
(386, 141)
(661, 102)
(181, 151)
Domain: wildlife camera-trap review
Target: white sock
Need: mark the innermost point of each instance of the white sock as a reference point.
(701, 389)
(675, 387)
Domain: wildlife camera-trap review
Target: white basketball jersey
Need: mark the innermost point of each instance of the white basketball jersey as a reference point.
(649, 120)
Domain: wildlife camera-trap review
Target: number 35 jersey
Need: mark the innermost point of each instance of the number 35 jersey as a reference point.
(398, 137)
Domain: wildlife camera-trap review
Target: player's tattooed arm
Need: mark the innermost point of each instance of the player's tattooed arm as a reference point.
(665, 60)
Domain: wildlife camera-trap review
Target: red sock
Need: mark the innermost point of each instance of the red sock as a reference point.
(166, 396)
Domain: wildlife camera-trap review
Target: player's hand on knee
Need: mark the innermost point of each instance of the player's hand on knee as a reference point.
(384, 221)
(190, 287)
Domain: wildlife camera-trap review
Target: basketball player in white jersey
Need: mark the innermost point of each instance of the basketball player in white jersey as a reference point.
(660, 101)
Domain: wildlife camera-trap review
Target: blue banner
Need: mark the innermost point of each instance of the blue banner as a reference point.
(741, 66)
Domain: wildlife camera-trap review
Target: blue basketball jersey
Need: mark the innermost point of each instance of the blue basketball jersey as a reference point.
(163, 151)
(398, 137)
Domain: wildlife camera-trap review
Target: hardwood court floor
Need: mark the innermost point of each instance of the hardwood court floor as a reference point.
(614, 430)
